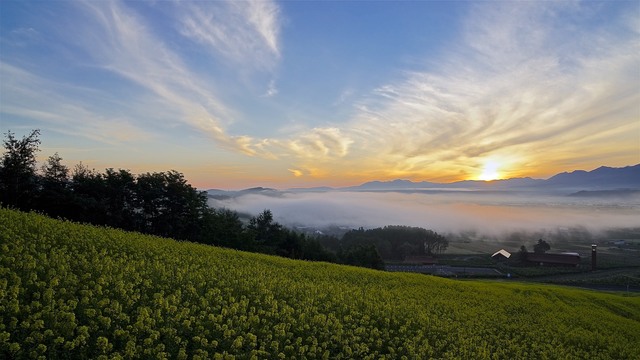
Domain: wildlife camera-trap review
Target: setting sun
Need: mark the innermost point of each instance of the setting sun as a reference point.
(490, 171)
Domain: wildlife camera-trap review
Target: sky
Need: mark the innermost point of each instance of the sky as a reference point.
(325, 93)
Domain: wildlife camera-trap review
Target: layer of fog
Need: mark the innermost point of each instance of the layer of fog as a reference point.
(487, 213)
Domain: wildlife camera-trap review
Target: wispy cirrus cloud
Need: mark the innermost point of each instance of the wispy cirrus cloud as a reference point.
(30, 96)
(133, 51)
(321, 143)
(244, 32)
(22, 36)
(113, 37)
(521, 85)
(526, 86)
(317, 144)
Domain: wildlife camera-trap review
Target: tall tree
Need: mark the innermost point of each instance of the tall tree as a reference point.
(223, 227)
(55, 172)
(54, 196)
(18, 180)
(434, 242)
(185, 206)
(266, 231)
(522, 254)
(88, 189)
(541, 247)
(150, 193)
(170, 206)
(120, 198)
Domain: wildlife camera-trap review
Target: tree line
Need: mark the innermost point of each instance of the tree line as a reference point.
(397, 242)
(157, 203)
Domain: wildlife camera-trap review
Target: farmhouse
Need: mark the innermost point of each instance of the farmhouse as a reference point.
(420, 259)
(501, 254)
(564, 259)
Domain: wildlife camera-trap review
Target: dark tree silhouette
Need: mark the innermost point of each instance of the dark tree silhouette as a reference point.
(541, 247)
(88, 195)
(397, 242)
(265, 230)
(435, 243)
(223, 227)
(361, 255)
(120, 198)
(522, 254)
(18, 180)
(170, 206)
(54, 195)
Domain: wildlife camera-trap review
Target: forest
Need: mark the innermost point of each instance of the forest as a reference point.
(396, 242)
(165, 204)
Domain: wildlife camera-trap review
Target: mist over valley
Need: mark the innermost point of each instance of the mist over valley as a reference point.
(600, 200)
(489, 213)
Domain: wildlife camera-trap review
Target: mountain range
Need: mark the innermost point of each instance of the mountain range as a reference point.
(603, 181)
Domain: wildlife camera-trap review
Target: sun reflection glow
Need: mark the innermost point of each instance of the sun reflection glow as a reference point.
(490, 171)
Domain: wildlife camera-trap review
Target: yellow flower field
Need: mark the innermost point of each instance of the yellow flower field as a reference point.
(77, 291)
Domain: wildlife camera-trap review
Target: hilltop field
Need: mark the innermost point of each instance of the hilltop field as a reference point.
(78, 291)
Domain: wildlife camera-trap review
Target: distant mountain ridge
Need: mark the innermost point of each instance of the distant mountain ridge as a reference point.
(601, 179)
(224, 194)
(465, 184)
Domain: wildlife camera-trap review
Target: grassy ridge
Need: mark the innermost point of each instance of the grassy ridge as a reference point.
(69, 290)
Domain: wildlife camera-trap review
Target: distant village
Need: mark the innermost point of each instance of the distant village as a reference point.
(501, 259)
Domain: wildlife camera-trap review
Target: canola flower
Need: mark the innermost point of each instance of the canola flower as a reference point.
(78, 291)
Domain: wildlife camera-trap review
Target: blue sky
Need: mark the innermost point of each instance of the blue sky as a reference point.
(306, 93)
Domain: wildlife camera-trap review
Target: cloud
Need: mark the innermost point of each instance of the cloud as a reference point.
(296, 172)
(272, 90)
(245, 32)
(23, 36)
(134, 52)
(321, 143)
(532, 83)
(521, 82)
(344, 96)
(27, 95)
(114, 38)
(318, 144)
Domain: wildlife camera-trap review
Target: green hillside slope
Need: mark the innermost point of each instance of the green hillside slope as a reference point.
(74, 291)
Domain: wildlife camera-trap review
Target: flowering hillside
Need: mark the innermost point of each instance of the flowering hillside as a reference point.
(76, 291)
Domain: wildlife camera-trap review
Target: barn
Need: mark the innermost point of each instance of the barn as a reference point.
(565, 259)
